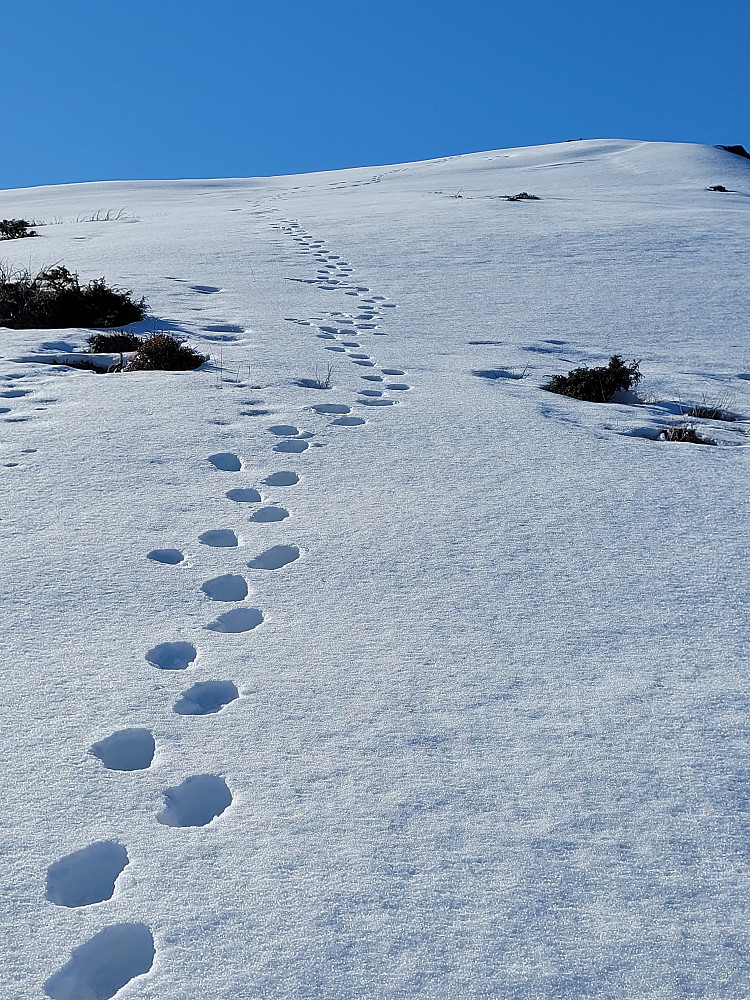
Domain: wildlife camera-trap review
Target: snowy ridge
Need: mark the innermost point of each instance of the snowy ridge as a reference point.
(354, 664)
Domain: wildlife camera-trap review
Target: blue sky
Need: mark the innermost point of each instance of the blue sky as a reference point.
(160, 89)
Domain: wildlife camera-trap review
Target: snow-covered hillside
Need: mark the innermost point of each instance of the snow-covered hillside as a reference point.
(430, 684)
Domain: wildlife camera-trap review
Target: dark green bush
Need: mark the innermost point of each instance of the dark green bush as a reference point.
(163, 352)
(597, 385)
(107, 343)
(15, 229)
(55, 298)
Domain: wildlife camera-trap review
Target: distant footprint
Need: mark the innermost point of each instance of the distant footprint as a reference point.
(284, 430)
(219, 538)
(87, 876)
(292, 446)
(348, 421)
(248, 495)
(126, 750)
(392, 371)
(169, 556)
(237, 620)
(103, 965)
(332, 408)
(196, 801)
(380, 401)
(172, 655)
(275, 557)
(225, 461)
(366, 364)
(206, 698)
(397, 386)
(371, 392)
(205, 289)
(372, 378)
(226, 588)
(268, 515)
(282, 479)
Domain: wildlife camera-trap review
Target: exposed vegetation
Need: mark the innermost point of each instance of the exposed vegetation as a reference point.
(15, 229)
(597, 385)
(717, 187)
(684, 433)
(523, 196)
(55, 298)
(108, 343)
(163, 352)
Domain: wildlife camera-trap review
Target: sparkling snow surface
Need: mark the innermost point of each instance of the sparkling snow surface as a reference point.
(479, 728)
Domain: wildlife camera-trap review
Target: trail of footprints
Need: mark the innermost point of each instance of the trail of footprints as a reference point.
(120, 952)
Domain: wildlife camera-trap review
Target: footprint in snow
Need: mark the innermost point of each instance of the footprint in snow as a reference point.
(331, 408)
(196, 801)
(348, 422)
(372, 378)
(169, 556)
(103, 965)
(205, 289)
(275, 557)
(219, 538)
(126, 750)
(380, 401)
(282, 479)
(226, 588)
(284, 430)
(371, 392)
(366, 364)
(397, 386)
(268, 515)
(248, 495)
(86, 876)
(172, 655)
(392, 371)
(206, 698)
(291, 446)
(225, 461)
(237, 620)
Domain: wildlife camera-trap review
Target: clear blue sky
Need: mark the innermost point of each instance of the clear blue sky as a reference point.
(161, 88)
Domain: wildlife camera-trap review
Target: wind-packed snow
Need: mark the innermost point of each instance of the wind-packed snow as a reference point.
(354, 664)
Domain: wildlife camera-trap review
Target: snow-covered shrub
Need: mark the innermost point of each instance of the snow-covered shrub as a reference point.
(684, 433)
(15, 229)
(55, 298)
(597, 385)
(163, 352)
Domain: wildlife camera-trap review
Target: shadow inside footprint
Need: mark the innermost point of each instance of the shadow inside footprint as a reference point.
(237, 620)
(169, 556)
(331, 408)
(248, 495)
(172, 655)
(275, 557)
(196, 801)
(206, 698)
(226, 588)
(348, 422)
(86, 876)
(225, 461)
(219, 538)
(267, 515)
(292, 446)
(126, 750)
(104, 964)
(284, 430)
(282, 479)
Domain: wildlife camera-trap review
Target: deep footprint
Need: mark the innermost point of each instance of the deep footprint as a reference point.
(237, 620)
(206, 698)
(269, 515)
(226, 588)
(275, 557)
(103, 965)
(292, 446)
(169, 556)
(244, 496)
(348, 422)
(284, 430)
(282, 479)
(195, 802)
(332, 408)
(225, 461)
(126, 750)
(221, 538)
(86, 876)
(172, 655)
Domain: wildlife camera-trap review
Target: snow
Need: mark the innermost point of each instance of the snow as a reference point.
(477, 724)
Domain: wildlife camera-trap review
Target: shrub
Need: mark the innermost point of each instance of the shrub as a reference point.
(717, 187)
(15, 229)
(108, 343)
(597, 385)
(684, 433)
(523, 196)
(163, 352)
(55, 298)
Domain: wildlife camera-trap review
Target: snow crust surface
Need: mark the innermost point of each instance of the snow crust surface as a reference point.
(470, 717)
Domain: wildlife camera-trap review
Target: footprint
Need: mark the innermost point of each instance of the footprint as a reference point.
(126, 750)
(397, 386)
(378, 402)
(372, 378)
(282, 479)
(170, 556)
(86, 876)
(205, 289)
(371, 392)
(254, 413)
(104, 964)
(244, 495)
(335, 348)
(392, 371)
(237, 620)
(332, 408)
(349, 421)
(206, 698)
(367, 364)
(268, 515)
(219, 538)
(226, 588)
(196, 801)
(326, 336)
(172, 655)
(225, 461)
(275, 557)
(292, 446)
(225, 328)
(284, 430)
(359, 356)
(15, 393)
